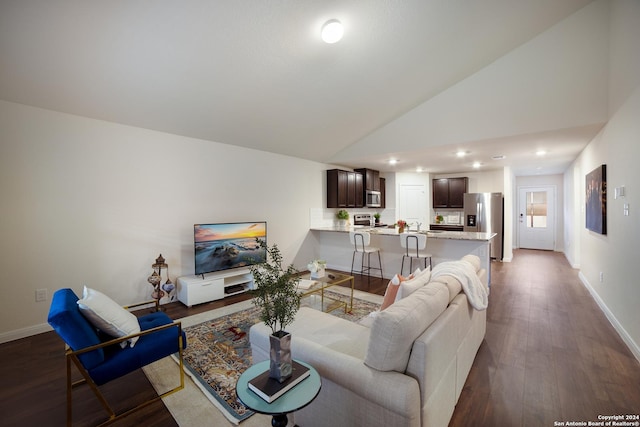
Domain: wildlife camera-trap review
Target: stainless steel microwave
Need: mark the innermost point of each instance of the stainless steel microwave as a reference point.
(372, 199)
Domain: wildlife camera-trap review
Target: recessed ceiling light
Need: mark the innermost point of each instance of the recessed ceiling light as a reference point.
(332, 31)
(392, 161)
(461, 153)
(419, 169)
(476, 165)
(499, 157)
(541, 153)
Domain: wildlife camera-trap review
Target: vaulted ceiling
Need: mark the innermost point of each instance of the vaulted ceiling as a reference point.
(415, 80)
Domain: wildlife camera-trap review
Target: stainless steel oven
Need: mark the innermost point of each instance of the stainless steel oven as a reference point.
(365, 220)
(372, 199)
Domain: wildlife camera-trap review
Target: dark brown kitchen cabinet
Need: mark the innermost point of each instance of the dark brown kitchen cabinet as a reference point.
(383, 193)
(344, 189)
(449, 192)
(371, 179)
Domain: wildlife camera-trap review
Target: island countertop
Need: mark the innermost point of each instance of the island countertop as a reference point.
(433, 234)
(331, 243)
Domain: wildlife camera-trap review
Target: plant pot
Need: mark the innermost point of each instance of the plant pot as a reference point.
(400, 230)
(280, 356)
(343, 224)
(318, 274)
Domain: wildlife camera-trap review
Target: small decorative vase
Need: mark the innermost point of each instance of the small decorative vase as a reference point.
(400, 230)
(280, 367)
(318, 273)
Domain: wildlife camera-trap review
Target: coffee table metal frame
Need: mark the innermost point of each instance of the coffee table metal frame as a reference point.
(331, 278)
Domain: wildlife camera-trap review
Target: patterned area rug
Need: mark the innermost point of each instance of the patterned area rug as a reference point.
(218, 352)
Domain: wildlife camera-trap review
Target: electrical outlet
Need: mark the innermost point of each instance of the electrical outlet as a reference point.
(601, 277)
(41, 295)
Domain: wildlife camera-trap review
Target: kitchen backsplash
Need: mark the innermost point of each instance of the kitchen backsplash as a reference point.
(323, 217)
(449, 217)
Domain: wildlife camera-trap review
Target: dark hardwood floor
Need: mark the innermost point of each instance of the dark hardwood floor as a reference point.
(549, 355)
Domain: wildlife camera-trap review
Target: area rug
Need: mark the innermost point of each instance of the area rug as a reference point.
(219, 351)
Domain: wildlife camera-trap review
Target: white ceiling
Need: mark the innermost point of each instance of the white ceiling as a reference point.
(415, 80)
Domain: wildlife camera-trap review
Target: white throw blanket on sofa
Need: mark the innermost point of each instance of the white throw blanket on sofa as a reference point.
(464, 272)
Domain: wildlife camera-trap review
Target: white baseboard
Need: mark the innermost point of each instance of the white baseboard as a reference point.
(633, 346)
(24, 332)
(574, 266)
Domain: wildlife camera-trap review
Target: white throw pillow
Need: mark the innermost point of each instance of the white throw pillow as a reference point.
(108, 316)
(408, 287)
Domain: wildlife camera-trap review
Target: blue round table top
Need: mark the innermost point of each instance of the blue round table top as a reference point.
(298, 397)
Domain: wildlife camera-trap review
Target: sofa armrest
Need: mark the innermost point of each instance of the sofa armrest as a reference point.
(352, 374)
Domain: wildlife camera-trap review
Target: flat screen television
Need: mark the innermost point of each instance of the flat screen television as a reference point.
(224, 246)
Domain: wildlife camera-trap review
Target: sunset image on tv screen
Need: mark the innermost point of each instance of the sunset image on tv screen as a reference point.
(228, 245)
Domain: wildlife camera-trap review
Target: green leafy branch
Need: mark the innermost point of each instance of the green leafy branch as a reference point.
(275, 291)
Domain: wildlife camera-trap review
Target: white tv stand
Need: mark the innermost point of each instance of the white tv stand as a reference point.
(197, 289)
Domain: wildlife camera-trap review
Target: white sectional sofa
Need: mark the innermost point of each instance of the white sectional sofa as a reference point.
(406, 368)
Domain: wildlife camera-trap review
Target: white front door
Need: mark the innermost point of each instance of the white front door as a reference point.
(537, 217)
(413, 205)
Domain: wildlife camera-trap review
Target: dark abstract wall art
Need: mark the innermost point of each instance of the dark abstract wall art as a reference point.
(596, 200)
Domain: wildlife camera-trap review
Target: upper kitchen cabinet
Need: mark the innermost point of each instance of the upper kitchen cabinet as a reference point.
(371, 179)
(344, 189)
(383, 193)
(449, 192)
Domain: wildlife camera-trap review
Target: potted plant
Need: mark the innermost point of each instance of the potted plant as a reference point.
(376, 217)
(343, 218)
(439, 219)
(275, 294)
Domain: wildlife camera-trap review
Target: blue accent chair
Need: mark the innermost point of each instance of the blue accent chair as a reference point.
(101, 359)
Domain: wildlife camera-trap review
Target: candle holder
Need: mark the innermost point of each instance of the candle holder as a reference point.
(156, 280)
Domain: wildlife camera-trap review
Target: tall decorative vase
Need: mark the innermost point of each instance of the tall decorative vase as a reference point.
(280, 367)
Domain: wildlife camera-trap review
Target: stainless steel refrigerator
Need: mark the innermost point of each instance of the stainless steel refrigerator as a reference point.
(484, 213)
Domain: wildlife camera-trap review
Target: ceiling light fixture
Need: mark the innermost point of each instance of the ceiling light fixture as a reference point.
(461, 153)
(541, 153)
(392, 161)
(419, 169)
(332, 31)
(476, 165)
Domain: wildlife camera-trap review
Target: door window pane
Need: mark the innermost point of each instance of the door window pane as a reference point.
(536, 209)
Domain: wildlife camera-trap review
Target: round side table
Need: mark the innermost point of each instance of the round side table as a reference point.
(297, 398)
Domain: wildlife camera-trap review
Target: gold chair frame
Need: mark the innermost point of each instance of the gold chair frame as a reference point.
(72, 356)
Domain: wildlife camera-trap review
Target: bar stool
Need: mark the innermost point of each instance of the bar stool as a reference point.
(361, 241)
(413, 244)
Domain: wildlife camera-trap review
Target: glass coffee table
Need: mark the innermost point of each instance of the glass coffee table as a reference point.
(314, 287)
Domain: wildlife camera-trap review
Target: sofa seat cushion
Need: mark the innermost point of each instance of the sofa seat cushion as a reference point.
(325, 329)
(394, 330)
(148, 349)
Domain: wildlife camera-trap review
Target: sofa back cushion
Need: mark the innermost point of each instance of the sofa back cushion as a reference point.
(65, 318)
(394, 329)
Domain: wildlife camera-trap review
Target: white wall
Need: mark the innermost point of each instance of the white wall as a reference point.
(614, 254)
(91, 202)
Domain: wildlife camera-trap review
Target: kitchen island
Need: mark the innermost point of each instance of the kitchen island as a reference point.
(334, 247)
